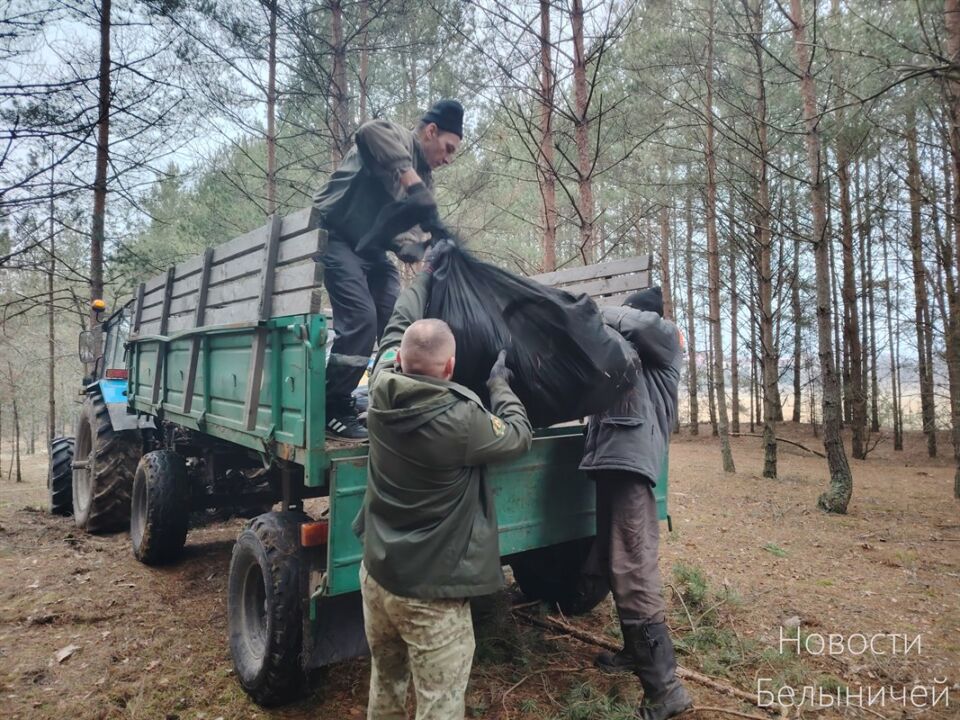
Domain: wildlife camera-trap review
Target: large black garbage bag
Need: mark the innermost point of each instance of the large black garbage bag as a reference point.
(566, 363)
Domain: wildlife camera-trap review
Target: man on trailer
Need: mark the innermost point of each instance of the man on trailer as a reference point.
(387, 163)
(428, 522)
(624, 452)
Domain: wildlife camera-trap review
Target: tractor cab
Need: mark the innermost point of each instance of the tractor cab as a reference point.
(102, 348)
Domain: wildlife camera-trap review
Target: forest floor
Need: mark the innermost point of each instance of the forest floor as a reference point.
(747, 557)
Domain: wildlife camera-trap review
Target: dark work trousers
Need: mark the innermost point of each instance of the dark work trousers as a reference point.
(362, 294)
(627, 546)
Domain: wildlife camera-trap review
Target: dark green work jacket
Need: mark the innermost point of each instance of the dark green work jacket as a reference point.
(428, 522)
(368, 178)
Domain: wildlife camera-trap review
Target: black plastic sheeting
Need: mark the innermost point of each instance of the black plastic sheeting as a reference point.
(567, 364)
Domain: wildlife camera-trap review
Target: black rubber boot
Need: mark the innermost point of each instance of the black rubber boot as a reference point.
(656, 666)
(342, 421)
(622, 661)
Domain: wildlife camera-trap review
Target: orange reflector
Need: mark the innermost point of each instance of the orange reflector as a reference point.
(115, 374)
(98, 305)
(313, 534)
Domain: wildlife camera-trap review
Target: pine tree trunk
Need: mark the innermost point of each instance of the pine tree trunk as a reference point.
(272, 109)
(797, 312)
(548, 183)
(102, 163)
(769, 363)
(862, 225)
(713, 256)
(952, 22)
(734, 330)
(922, 311)
(51, 333)
(851, 317)
(893, 341)
(364, 74)
(952, 324)
(869, 305)
(754, 356)
(771, 393)
(582, 133)
(841, 481)
(16, 434)
(711, 386)
(692, 379)
(665, 284)
(840, 340)
(338, 84)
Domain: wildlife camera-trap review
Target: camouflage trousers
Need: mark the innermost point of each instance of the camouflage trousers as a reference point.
(429, 640)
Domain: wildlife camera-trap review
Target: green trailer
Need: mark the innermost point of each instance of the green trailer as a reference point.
(227, 358)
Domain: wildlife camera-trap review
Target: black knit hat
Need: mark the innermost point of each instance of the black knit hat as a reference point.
(447, 115)
(650, 299)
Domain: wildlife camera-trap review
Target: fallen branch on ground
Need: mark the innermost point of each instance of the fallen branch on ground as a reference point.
(587, 637)
(783, 440)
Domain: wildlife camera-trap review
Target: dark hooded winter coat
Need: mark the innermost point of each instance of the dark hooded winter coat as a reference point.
(428, 522)
(633, 435)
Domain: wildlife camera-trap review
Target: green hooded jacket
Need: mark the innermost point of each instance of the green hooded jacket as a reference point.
(428, 522)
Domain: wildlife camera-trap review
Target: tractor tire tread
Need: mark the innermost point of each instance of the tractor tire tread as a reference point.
(60, 476)
(117, 455)
(281, 677)
(168, 507)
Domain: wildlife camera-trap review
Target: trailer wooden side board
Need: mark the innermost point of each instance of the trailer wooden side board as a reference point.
(267, 272)
(609, 283)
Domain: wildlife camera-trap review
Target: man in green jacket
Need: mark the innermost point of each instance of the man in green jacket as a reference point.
(388, 163)
(428, 522)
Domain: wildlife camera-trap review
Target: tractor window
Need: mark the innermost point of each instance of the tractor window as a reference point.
(117, 332)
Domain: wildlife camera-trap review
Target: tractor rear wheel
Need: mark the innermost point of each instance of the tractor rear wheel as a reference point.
(103, 465)
(553, 575)
(264, 611)
(160, 507)
(60, 476)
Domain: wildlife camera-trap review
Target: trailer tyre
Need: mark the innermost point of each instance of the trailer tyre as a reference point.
(104, 462)
(160, 507)
(264, 612)
(60, 476)
(552, 574)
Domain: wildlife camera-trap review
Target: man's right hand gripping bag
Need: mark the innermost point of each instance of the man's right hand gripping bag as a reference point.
(567, 364)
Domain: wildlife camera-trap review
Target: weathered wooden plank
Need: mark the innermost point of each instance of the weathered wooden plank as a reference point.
(559, 278)
(264, 307)
(155, 284)
(302, 247)
(299, 302)
(189, 268)
(164, 320)
(195, 342)
(294, 224)
(287, 279)
(610, 286)
(151, 312)
(138, 313)
(294, 250)
(150, 327)
(299, 222)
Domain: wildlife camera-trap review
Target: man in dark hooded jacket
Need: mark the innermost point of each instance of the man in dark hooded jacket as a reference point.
(388, 163)
(624, 453)
(428, 521)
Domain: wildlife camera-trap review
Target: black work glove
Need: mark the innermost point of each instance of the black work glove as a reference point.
(418, 208)
(500, 369)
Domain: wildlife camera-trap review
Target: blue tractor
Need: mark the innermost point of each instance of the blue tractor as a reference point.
(91, 474)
